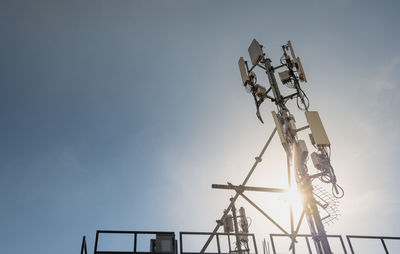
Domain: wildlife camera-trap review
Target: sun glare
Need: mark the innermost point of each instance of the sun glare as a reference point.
(294, 198)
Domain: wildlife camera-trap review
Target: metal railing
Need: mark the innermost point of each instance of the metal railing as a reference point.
(218, 242)
(217, 237)
(134, 234)
(382, 238)
(307, 241)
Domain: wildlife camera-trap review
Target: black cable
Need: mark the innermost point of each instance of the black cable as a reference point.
(306, 102)
(280, 60)
(337, 191)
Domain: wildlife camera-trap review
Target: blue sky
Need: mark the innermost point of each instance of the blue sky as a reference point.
(121, 114)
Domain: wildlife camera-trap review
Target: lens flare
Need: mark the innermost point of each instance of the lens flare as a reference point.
(294, 198)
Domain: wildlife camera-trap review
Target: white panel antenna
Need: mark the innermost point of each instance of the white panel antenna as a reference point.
(255, 52)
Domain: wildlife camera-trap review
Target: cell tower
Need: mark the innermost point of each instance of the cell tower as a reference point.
(314, 199)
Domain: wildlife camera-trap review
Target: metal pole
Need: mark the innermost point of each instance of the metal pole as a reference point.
(321, 237)
(83, 247)
(274, 85)
(320, 227)
(180, 243)
(230, 186)
(229, 242)
(299, 223)
(135, 243)
(272, 244)
(218, 244)
(344, 247)
(294, 234)
(384, 246)
(350, 245)
(311, 225)
(293, 237)
(235, 223)
(255, 245)
(96, 242)
(308, 245)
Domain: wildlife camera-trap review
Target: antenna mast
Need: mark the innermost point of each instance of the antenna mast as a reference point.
(295, 148)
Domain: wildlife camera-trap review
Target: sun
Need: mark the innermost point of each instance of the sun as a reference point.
(294, 198)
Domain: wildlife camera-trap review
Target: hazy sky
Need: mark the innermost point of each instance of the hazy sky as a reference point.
(121, 114)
